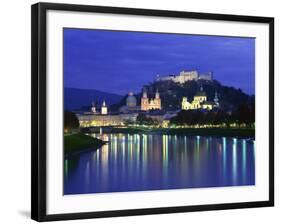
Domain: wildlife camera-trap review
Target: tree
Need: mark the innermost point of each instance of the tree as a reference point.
(70, 121)
(244, 114)
(144, 120)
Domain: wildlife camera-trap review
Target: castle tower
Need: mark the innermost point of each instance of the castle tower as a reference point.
(144, 101)
(104, 108)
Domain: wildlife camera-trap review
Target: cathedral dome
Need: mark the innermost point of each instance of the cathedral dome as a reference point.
(131, 100)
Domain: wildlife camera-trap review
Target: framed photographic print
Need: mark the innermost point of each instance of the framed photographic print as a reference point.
(139, 111)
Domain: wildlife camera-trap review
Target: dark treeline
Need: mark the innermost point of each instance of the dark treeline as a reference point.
(70, 121)
(244, 114)
(142, 119)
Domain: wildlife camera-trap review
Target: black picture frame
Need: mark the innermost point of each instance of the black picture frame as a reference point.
(39, 97)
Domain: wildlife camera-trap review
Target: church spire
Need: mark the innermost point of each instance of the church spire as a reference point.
(157, 95)
(216, 99)
(104, 104)
(144, 93)
(93, 107)
(104, 108)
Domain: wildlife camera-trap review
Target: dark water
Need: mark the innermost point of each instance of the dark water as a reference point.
(153, 162)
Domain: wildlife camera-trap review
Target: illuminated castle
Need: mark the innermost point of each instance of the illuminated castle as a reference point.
(186, 76)
(150, 104)
(200, 102)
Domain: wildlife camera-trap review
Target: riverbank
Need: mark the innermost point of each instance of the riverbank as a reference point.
(222, 132)
(79, 142)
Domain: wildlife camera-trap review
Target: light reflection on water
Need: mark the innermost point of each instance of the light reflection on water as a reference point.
(153, 162)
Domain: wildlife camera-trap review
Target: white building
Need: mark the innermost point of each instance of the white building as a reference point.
(200, 102)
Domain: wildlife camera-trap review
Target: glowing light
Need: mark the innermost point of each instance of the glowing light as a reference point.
(131, 147)
(97, 158)
(197, 143)
(234, 161)
(123, 146)
(144, 150)
(165, 161)
(244, 160)
(224, 156)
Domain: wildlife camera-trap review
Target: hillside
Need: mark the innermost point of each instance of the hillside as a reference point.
(171, 93)
(82, 98)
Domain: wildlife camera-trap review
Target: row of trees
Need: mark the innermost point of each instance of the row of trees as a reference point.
(142, 119)
(244, 114)
(70, 121)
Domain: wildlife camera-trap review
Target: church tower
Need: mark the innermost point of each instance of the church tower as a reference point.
(157, 100)
(216, 99)
(157, 96)
(104, 108)
(144, 101)
(94, 108)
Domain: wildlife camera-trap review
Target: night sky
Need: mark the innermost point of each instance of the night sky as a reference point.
(119, 62)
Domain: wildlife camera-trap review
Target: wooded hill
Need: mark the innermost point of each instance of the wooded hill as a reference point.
(171, 94)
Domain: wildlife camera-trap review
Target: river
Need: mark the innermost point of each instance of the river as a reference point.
(137, 162)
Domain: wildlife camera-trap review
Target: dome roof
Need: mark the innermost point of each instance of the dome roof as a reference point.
(131, 100)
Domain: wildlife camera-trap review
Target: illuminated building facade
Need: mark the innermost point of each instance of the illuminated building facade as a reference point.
(150, 104)
(200, 102)
(104, 118)
(97, 120)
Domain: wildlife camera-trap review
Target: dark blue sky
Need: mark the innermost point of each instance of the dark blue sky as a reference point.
(119, 62)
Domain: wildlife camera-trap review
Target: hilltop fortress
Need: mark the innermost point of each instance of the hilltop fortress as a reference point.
(186, 76)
